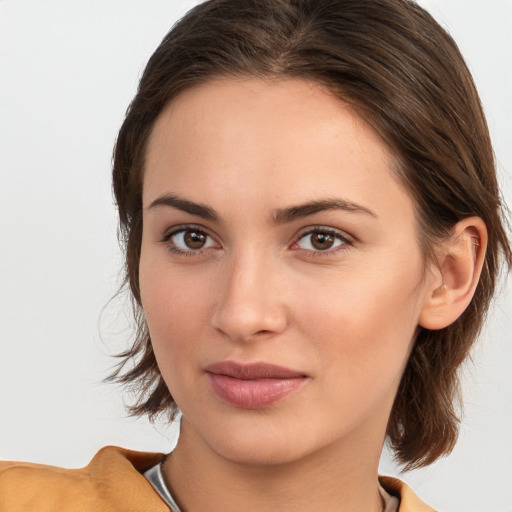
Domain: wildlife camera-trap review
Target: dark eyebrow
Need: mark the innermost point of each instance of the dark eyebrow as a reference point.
(292, 213)
(281, 216)
(198, 209)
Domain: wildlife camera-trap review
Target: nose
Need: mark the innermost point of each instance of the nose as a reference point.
(251, 303)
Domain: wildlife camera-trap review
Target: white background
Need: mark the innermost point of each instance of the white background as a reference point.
(68, 70)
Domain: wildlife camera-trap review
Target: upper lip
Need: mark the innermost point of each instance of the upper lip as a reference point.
(252, 371)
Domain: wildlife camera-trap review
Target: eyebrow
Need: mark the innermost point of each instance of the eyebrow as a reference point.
(200, 210)
(280, 216)
(292, 213)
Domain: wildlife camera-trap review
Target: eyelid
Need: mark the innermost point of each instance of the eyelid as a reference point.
(182, 227)
(174, 230)
(347, 239)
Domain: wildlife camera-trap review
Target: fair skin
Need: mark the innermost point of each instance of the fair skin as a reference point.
(333, 293)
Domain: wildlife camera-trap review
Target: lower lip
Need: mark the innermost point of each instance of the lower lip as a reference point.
(253, 394)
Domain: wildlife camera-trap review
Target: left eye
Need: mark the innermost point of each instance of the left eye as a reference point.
(319, 240)
(190, 239)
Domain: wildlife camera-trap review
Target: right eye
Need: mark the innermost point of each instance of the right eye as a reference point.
(188, 241)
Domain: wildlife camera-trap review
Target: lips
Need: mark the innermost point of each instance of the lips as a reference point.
(253, 386)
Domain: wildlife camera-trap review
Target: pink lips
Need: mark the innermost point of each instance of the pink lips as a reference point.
(252, 386)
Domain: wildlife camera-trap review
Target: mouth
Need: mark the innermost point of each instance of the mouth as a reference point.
(253, 386)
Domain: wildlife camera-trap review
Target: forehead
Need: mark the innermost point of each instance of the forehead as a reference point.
(285, 141)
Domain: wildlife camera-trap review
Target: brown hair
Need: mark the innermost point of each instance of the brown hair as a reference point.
(405, 76)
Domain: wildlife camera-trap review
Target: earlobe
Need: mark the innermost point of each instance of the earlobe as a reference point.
(455, 278)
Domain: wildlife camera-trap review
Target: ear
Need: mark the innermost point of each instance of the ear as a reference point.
(452, 282)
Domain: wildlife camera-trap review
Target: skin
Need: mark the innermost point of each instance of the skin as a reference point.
(260, 291)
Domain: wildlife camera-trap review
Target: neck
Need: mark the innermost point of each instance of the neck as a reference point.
(340, 477)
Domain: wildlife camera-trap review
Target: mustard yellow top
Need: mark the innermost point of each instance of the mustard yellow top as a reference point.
(112, 481)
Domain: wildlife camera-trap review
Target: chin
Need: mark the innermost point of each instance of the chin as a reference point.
(257, 453)
(261, 443)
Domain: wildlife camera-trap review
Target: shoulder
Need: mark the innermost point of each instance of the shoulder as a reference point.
(409, 502)
(111, 481)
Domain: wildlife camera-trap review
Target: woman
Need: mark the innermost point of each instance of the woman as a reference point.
(312, 224)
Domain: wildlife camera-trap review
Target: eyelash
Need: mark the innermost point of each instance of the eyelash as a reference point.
(171, 246)
(345, 240)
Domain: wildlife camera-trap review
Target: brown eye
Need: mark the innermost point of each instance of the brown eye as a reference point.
(188, 241)
(322, 241)
(194, 239)
(319, 240)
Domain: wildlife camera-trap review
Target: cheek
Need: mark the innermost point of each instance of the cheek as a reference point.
(174, 307)
(363, 326)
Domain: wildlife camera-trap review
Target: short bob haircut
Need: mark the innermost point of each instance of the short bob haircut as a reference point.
(404, 75)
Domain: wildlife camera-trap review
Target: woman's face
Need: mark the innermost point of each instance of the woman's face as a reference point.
(280, 274)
